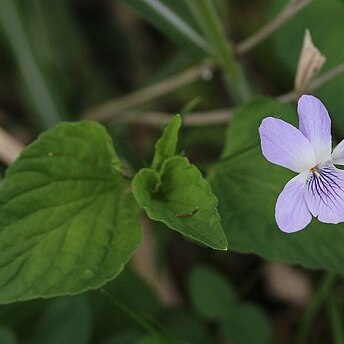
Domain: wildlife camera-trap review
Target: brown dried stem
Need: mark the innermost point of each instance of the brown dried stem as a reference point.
(221, 116)
(290, 10)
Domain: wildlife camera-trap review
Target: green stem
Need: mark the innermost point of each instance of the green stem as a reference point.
(336, 321)
(205, 13)
(318, 300)
(144, 324)
(249, 281)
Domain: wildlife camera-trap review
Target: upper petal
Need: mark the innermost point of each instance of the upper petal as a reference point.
(292, 213)
(338, 154)
(285, 145)
(315, 124)
(325, 194)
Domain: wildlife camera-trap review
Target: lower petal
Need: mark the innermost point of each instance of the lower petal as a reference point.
(325, 195)
(292, 213)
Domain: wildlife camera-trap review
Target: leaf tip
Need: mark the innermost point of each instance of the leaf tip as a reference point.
(224, 247)
(177, 119)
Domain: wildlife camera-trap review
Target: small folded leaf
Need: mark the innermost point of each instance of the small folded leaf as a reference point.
(181, 198)
(166, 146)
(67, 217)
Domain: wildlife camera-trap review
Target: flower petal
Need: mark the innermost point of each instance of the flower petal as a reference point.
(315, 124)
(285, 145)
(292, 213)
(325, 194)
(338, 154)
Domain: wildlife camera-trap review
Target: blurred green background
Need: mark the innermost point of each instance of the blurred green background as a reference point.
(63, 60)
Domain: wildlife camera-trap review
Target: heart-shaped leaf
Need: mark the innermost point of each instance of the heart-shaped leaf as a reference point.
(68, 221)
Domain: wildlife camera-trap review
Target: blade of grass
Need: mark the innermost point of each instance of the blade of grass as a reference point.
(42, 100)
(336, 320)
(173, 25)
(317, 302)
(208, 20)
(288, 12)
(52, 23)
(143, 323)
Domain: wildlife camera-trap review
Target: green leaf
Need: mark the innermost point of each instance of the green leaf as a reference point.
(7, 336)
(186, 327)
(68, 320)
(246, 324)
(124, 337)
(166, 146)
(152, 340)
(211, 294)
(215, 299)
(174, 192)
(247, 187)
(68, 221)
(182, 199)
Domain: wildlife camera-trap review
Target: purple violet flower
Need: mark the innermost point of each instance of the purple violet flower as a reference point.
(318, 189)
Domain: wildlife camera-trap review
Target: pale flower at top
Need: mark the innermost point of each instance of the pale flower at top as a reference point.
(318, 189)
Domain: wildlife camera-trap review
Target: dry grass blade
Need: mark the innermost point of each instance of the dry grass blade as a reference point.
(292, 8)
(10, 147)
(113, 107)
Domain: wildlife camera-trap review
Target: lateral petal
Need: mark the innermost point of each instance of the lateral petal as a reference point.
(315, 124)
(325, 194)
(291, 211)
(285, 145)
